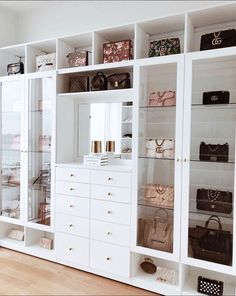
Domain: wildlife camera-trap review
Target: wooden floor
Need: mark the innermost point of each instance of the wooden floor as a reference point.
(21, 274)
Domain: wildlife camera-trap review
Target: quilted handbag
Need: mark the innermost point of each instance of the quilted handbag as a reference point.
(214, 200)
(209, 287)
(162, 98)
(78, 58)
(214, 152)
(163, 148)
(164, 47)
(99, 82)
(44, 144)
(119, 81)
(218, 39)
(166, 275)
(216, 97)
(159, 195)
(78, 84)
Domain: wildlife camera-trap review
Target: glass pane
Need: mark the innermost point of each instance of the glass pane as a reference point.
(156, 167)
(39, 205)
(10, 148)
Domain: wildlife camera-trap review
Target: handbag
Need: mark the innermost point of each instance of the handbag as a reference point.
(78, 58)
(166, 275)
(99, 82)
(15, 68)
(164, 47)
(15, 145)
(216, 97)
(44, 144)
(214, 200)
(213, 152)
(117, 51)
(119, 81)
(78, 84)
(46, 62)
(148, 266)
(14, 176)
(209, 287)
(162, 98)
(163, 148)
(218, 39)
(159, 195)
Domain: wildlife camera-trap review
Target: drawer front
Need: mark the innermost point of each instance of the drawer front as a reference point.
(73, 189)
(72, 225)
(110, 212)
(110, 193)
(73, 175)
(110, 258)
(110, 233)
(72, 248)
(111, 178)
(70, 205)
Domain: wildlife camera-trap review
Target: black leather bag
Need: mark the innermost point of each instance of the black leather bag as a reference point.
(99, 82)
(15, 68)
(119, 81)
(212, 152)
(209, 287)
(78, 84)
(214, 200)
(216, 97)
(218, 39)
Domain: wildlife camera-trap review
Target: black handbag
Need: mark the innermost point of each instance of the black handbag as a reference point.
(78, 83)
(214, 152)
(214, 200)
(99, 82)
(216, 97)
(218, 39)
(15, 68)
(119, 81)
(209, 287)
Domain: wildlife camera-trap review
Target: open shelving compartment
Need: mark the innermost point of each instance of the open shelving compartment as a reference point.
(8, 242)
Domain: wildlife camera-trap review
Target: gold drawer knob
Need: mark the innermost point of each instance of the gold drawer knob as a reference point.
(108, 258)
(108, 233)
(70, 249)
(109, 212)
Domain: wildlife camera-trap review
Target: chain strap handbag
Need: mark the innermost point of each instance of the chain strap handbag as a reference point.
(162, 98)
(160, 148)
(216, 97)
(214, 152)
(159, 195)
(218, 39)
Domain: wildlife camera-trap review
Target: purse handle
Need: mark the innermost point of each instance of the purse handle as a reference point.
(213, 218)
(156, 218)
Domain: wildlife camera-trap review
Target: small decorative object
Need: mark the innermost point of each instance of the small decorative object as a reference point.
(16, 234)
(78, 58)
(159, 195)
(46, 62)
(15, 68)
(166, 275)
(96, 147)
(117, 51)
(110, 146)
(96, 160)
(218, 39)
(15, 145)
(163, 148)
(216, 97)
(148, 266)
(44, 144)
(214, 200)
(127, 136)
(164, 47)
(99, 82)
(46, 243)
(119, 81)
(214, 152)
(210, 287)
(162, 98)
(78, 83)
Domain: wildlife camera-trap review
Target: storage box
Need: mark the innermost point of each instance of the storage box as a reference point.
(46, 62)
(117, 51)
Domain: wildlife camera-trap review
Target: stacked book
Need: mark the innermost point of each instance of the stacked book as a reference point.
(96, 159)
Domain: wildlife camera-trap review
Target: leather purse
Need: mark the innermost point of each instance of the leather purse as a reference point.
(15, 68)
(213, 152)
(99, 82)
(166, 275)
(214, 200)
(78, 58)
(218, 39)
(117, 51)
(216, 97)
(163, 148)
(78, 84)
(162, 98)
(164, 47)
(119, 81)
(159, 195)
(44, 144)
(46, 62)
(210, 287)
(148, 266)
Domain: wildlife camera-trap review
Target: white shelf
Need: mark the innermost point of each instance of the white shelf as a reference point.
(126, 167)
(11, 220)
(9, 242)
(37, 250)
(39, 226)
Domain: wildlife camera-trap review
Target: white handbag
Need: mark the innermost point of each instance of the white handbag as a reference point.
(160, 148)
(166, 275)
(46, 62)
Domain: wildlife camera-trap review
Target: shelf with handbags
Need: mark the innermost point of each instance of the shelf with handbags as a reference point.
(14, 58)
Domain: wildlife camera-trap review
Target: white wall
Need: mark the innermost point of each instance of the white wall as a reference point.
(8, 27)
(60, 18)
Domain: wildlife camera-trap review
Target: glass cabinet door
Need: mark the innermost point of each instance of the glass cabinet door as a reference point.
(41, 92)
(12, 103)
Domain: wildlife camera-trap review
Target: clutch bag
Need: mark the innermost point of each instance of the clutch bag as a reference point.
(162, 98)
(216, 97)
(209, 287)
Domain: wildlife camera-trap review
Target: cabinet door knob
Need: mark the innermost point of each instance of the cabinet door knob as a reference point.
(177, 159)
(70, 249)
(71, 189)
(109, 194)
(185, 160)
(108, 211)
(72, 175)
(108, 233)
(71, 225)
(109, 178)
(71, 206)
(108, 258)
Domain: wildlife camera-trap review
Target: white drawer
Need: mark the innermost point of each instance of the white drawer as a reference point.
(110, 258)
(70, 205)
(111, 178)
(72, 225)
(110, 193)
(110, 212)
(72, 188)
(73, 175)
(110, 233)
(72, 248)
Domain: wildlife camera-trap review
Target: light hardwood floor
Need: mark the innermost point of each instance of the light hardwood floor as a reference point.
(21, 274)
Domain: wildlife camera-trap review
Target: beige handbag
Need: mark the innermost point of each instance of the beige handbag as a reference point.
(162, 98)
(166, 275)
(44, 144)
(159, 195)
(160, 148)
